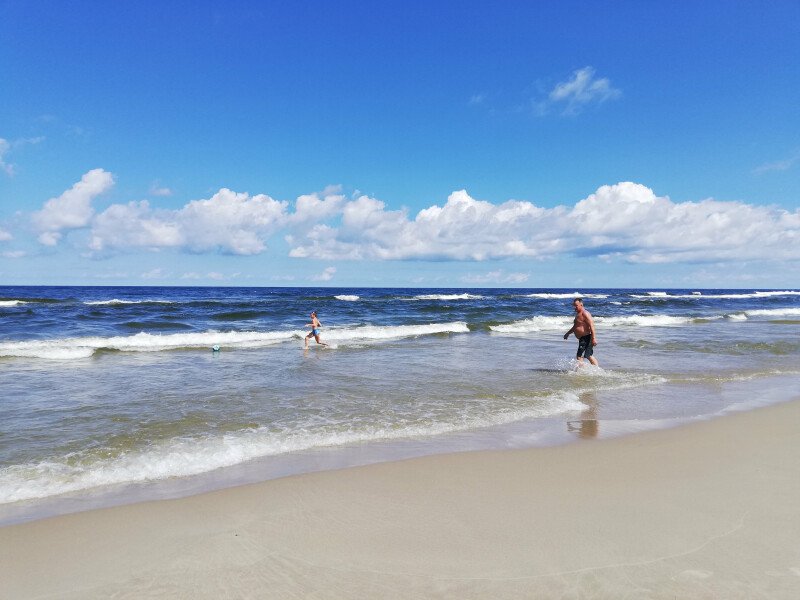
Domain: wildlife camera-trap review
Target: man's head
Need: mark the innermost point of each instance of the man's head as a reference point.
(577, 304)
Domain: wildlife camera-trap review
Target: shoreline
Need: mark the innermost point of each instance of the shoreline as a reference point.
(707, 509)
(536, 432)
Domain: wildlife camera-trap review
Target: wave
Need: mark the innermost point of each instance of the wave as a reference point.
(765, 312)
(183, 457)
(565, 296)
(115, 301)
(12, 302)
(650, 320)
(533, 324)
(543, 323)
(448, 297)
(348, 298)
(702, 296)
(375, 332)
(72, 348)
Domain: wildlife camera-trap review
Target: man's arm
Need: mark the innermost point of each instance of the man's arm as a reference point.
(591, 328)
(566, 335)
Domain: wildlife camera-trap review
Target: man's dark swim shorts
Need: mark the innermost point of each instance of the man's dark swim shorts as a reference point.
(585, 347)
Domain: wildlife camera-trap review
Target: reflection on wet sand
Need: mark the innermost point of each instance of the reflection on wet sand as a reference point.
(588, 426)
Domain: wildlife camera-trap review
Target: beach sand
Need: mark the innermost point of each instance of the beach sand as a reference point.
(707, 510)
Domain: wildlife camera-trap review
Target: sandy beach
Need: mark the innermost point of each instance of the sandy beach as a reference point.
(708, 510)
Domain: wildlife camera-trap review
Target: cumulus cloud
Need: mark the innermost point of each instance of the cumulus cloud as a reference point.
(72, 209)
(5, 235)
(583, 89)
(624, 221)
(236, 223)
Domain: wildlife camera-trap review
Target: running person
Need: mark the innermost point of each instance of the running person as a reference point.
(315, 325)
(583, 328)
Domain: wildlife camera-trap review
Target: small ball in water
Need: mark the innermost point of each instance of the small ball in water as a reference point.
(215, 348)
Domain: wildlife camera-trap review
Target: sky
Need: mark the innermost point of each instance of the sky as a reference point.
(400, 143)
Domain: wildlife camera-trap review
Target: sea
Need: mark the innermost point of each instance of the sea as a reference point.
(113, 395)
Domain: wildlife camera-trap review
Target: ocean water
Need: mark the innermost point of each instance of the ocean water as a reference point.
(113, 394)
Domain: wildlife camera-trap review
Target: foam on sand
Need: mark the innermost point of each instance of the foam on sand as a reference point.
(183, 457)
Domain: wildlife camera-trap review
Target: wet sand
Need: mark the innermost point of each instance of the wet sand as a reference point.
(707, 510)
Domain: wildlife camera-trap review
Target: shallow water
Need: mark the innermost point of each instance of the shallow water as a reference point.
(110, 394)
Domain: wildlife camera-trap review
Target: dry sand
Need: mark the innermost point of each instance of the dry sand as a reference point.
(708, 510)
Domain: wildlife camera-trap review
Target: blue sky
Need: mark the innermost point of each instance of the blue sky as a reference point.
(444, 144)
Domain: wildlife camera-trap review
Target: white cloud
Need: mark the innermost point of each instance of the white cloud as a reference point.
(625, 221)
(14, 254)
(780, 165)
(498, 276)
(326, 275)
(583, 89)
(5, 148)
(157, 273)
(161, 191)
(72, 209)
(212, 275)
(477, 99)
(232, 222)
(5, 235)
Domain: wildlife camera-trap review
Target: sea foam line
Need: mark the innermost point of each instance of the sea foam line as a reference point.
(72, 348)
(702, 296)
(448, 297)
(114, 301)
(184, 457)
(545, 295)
(545, 323)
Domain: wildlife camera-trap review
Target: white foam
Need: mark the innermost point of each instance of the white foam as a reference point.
(737, 317)
(69, 348)
(12, 302)
(447, 297)
(647, 320)
(533, 324)
(118, 301)
(72, 348)
(564, 296)
(773, 312)
(375, 332)
(701, 296)
(347, 298)
(182, 457)
(542, 323)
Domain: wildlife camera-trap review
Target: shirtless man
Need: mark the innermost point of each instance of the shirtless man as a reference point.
(583, 328)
